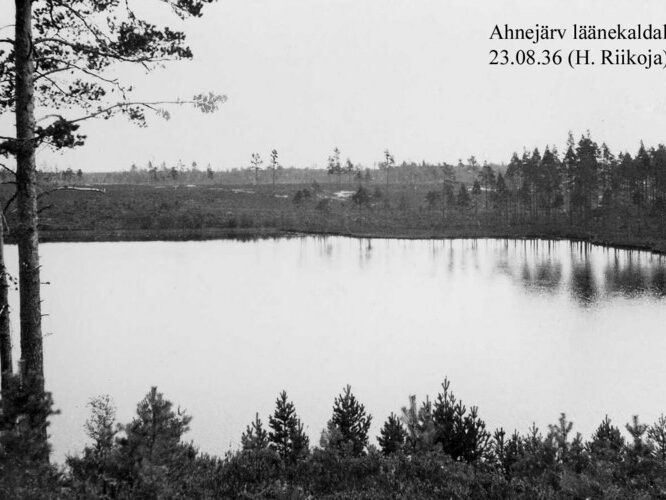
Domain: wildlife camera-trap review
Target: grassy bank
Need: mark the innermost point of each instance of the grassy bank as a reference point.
(182, 213)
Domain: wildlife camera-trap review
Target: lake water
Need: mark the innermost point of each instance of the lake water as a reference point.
(524, 329)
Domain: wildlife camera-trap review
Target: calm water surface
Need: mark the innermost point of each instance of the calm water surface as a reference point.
(524, 329)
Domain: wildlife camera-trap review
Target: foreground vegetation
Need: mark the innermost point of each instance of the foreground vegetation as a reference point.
(436, 449)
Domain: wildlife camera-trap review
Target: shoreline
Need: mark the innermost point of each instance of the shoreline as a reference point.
(207, 234)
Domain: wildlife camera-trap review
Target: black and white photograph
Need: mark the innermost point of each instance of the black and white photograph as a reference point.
(304, 249)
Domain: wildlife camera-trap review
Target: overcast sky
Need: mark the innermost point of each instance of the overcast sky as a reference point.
(304, 76)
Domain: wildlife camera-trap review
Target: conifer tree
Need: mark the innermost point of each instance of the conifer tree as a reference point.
(151, 457)
(559, 435)
(607, 442)
(487, 178)
(287, 436)
(507, 452)
(640, 448)
(99, 460)
(255, 437)
(77, 46)
(101, 425)
(463, 196)
(154, 434)
(256, 163)
(334, 166)
(502, 193)
(460, 434)
(349, 425)
(568, 169)
(392, 435)
(274, 166)
(419, 425)
(386, 165)
(657, 433)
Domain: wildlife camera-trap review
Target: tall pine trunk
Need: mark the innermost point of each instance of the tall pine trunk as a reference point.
(5, 333)
(32, 362)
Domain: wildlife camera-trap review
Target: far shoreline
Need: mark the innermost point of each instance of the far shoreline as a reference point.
(254, 233)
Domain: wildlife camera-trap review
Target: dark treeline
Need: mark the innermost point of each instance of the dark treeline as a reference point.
(587, 181)
(438, 448)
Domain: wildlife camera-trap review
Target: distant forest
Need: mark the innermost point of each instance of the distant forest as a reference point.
(538, 193)
(534, 184)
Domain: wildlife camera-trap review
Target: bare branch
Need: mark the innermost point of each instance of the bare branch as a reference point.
(149, 105)
(2, 165)
(70, 65)
(5, 225)
(8, 204)
(53, 82)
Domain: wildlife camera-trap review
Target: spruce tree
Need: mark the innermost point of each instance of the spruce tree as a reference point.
(392, 436)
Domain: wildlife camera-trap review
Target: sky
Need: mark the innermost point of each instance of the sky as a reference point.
(413, 76)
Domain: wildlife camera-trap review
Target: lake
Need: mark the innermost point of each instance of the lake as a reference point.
(524, 329)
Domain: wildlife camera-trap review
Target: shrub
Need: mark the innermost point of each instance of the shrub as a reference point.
(361, 197)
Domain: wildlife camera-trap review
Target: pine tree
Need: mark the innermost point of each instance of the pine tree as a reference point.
(255, 437)
(392, 436)
(155, 433)
(101, 426)
(24, 421)
(502, 193)
(584, 178)
(461, 435)
(476, 187)
(507, 453)
(640, 448)
(349, 425)
(287, 436)
(487, 178)
(463, 196)
(560, 435)
(152, 456)
(334, 165)
(657, 433)
(607, 442)
(419, 425)
(99, 461)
